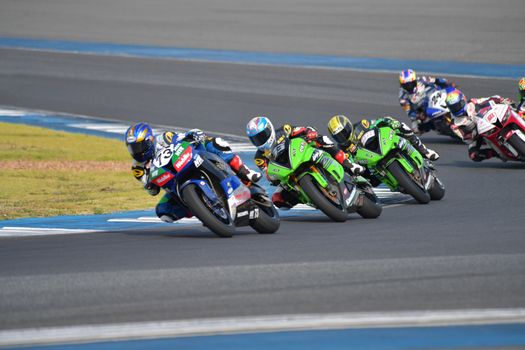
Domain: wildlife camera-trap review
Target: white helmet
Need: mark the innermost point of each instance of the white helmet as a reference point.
(261, 132)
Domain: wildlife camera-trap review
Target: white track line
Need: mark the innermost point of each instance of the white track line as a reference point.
(235, 325)
(12, 231)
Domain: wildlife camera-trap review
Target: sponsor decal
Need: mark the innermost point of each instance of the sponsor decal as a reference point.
(259, 162)
(365, 123)
(163, 179)
(367, 136)
(183, 159)
(242, 213)
(241, 195)
(198, 161)
(302, 146)
(168, 137)
(335, 125)
(287, 129)
(179, 149)
(315, 156)
(254, 214)
(138, 173)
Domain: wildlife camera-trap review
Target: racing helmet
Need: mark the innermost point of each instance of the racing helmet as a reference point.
(408, 80)
(140, 142)
(456, 102)
(261, 133)
(341, 129)
(521, 87)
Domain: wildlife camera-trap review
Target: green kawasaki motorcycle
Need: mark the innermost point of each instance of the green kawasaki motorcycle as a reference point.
(394, 161)
(320, 181)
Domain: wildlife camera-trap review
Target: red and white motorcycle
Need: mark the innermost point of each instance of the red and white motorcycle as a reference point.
(504, 130)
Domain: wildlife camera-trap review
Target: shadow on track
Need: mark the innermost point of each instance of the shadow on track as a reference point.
(485, 165)
(444, 140)
(196, 232)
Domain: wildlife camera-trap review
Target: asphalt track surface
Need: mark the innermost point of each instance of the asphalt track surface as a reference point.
(464, 252)
(462, 30)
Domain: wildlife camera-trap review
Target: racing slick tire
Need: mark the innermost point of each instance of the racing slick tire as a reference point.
(370, 209)
(222, 227)
(518, 144)
(320, 201)
(437, 191)
(408, 184)
(268, 220)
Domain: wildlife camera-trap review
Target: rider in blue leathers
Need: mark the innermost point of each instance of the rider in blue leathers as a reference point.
(413, 91)
(143, 146)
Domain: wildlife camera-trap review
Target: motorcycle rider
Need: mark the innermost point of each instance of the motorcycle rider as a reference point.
(521, 88)
(342, 131)
(413, 90)
(465, 126)
(143, 146)
(265, 137)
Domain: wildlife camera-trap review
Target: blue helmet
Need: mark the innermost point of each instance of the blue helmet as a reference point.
(261, 133)
(456, 102)
(408, 80)
(140, 142)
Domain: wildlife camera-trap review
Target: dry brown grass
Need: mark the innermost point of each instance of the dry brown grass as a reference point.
(47, 173)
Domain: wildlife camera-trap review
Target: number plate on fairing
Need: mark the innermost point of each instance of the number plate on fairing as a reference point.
(163, 157)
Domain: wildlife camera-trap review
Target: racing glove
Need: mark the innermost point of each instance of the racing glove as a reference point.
(152, 189)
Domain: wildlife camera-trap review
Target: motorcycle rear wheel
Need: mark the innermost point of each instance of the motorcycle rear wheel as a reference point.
(326, 206)
(408, 184)
(369, 209)
(193, 199)
(437, 191)
(268, 220)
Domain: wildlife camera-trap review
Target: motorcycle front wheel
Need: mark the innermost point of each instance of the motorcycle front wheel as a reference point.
(308, 185)
(406, 182)
(221, 225)
(518, 144)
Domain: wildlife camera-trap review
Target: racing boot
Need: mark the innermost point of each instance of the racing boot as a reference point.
(284, 199)
(242, 171)
(426, 152)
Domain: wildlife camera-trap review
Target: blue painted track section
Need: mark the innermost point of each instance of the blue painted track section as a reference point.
(61, 123)
(301, 60)
(457, 337)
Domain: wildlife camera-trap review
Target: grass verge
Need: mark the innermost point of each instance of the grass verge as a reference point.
(48, 173)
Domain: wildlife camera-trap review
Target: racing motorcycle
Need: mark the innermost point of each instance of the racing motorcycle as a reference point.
(503, 129)
(433, 113)
(394, 161)
(209, 189)
(320, 181)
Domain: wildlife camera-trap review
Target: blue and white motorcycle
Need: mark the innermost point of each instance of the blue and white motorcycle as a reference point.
(433, 113)
(210, 190)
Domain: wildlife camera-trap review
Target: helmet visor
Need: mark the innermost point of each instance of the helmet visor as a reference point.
(261, 138)
(410, 86)
(140, 151)
(343, 136)
(457, 108)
